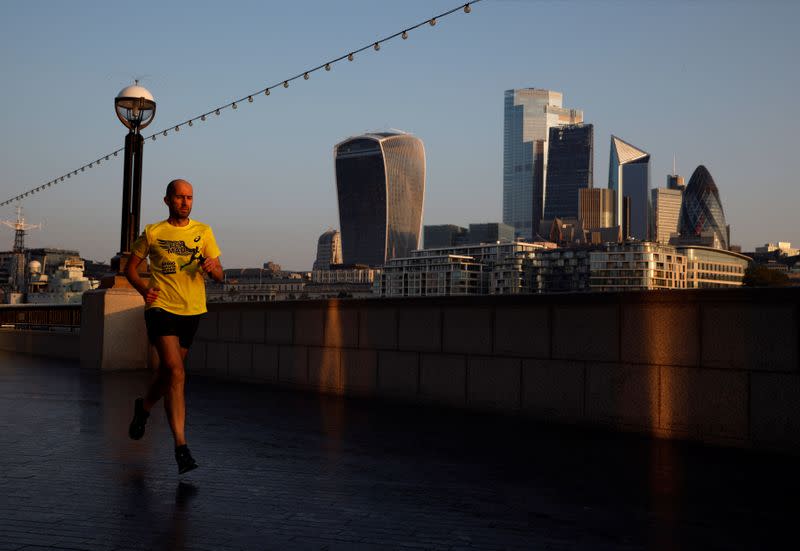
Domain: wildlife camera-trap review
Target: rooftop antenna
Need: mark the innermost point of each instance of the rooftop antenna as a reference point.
(20, 227)
(673, 164)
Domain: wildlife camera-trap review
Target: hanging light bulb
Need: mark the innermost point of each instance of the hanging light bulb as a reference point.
(285, 83)
(305, 76)
(106, 157)
(190, 123)
(154, 137)
(234, 105)
(165, 132)
(432, 21)
(266, 92)
(69, 175)
(83, 168)
(177, 128)
(404, 35)
(250, 99)
(350, 57)
(377, 46)
(467, 8)
(216, 112)
(203, 118)
(327, 66)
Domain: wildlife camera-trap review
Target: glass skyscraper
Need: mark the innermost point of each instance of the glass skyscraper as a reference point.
(380, 183)
(629, 176)
(529, 113)
(569, 169)
(701, 209)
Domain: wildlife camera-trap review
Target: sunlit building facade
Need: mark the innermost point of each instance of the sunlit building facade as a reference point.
(637, 267)
(710, 268)
(629, 176)
(596, 207)
(666, 204)
(460, 270)
(380, 183)
(529, 113)
(701, 211)
(329, 250)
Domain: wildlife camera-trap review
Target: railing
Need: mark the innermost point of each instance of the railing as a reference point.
(41, 317)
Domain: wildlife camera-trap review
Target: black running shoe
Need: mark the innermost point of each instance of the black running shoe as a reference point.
(136, 430)
(185, 460)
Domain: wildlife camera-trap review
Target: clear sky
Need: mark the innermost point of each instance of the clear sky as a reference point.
(711, 82)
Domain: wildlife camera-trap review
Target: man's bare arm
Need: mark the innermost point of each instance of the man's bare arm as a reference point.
(132, 274)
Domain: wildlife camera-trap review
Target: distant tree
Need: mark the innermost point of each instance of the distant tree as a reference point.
(761, 276)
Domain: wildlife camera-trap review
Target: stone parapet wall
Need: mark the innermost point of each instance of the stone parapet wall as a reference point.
(62, 345)
(718, 366)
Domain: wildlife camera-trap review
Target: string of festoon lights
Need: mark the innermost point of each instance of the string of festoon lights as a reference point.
(249, 98)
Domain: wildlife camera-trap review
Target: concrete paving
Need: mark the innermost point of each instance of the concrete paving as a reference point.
(285, 470)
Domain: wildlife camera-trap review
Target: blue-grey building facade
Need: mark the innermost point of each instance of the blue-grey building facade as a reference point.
(380, 184)
(629, 176)
(528, 115)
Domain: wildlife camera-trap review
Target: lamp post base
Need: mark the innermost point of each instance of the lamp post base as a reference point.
(116, 278)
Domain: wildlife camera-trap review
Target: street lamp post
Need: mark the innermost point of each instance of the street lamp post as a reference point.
(136, 109)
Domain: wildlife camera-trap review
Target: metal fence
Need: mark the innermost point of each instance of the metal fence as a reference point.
(44, 317)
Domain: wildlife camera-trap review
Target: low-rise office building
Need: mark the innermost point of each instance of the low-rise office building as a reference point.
(713, 268)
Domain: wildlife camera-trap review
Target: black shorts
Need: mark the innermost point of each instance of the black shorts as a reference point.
(161, 323)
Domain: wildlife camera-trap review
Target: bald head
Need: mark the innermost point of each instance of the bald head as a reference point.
(172, 186)
(179, 199)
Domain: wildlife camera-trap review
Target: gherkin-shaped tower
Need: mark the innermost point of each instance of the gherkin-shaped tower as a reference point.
(701, 209)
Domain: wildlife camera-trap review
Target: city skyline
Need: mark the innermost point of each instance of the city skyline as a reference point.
(256, 168)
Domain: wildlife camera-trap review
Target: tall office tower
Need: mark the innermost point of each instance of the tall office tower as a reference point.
(701, 211)
(666, 204)
(597, 207)
(629, 176)
(569, 169)
(380, 182)
(443, 235)
(675, 182)
(529, 113)
(329, 250)
(490, 233)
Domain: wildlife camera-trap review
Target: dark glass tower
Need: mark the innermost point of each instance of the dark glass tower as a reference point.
(701, 209)
(569, 169)
(380, 182)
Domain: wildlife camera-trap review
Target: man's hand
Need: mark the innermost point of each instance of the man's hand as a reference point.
(151, 295)
(213, 267)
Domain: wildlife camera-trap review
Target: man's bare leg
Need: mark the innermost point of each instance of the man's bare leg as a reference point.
(171, 383)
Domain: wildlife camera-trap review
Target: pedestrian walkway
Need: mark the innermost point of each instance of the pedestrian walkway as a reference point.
(285, 470)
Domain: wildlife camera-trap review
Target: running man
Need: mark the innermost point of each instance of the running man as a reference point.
(181, 251)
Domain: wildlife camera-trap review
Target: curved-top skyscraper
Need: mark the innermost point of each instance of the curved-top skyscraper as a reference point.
(380, 182)
(701, 209)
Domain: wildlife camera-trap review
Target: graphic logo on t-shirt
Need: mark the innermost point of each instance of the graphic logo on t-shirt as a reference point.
(167, 267)
(176, 247)
(179, 248)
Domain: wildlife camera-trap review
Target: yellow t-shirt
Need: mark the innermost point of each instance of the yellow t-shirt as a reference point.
(176, 254)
